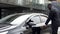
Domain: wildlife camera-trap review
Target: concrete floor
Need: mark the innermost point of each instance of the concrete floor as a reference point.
(49, 32)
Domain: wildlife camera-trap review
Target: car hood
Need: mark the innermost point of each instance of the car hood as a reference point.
(17, 22)
(3, 29)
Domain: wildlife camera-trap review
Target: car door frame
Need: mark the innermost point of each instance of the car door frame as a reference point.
(30, 18)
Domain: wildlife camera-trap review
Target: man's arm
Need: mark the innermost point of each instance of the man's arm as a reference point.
(49, 18)
(47, 21)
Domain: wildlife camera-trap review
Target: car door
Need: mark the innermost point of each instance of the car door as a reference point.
(43, 20)
(35, 19)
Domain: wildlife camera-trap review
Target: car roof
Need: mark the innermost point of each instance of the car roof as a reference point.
(26, 16)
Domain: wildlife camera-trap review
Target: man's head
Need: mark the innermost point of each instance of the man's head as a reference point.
(49, 6)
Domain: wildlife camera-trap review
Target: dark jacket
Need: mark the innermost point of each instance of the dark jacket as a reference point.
(54, 17)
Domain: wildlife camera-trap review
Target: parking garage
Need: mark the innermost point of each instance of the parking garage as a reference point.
(8, 7)
(18, 6)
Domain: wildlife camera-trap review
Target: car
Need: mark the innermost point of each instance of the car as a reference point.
(16, 23)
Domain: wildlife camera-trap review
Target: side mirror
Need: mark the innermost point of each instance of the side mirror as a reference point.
(29, 25)
(30, 20)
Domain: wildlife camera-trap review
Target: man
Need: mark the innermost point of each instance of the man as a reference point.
(54, 16)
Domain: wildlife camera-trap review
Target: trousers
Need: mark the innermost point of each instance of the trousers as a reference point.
(54, 29)
(36, 30)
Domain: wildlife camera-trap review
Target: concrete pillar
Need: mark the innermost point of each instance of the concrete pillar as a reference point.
(0, 14)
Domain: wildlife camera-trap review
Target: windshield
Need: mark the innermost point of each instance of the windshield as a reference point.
(8, 20)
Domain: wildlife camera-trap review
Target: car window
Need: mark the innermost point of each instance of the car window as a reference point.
(43, 19)
(36, 19)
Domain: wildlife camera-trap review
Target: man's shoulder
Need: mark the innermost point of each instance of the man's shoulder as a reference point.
(54, 9)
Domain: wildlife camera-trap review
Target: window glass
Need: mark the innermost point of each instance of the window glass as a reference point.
(43, 19)
(36, 19)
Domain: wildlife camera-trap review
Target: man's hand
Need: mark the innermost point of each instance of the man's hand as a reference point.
(44, 27)
(46, 24)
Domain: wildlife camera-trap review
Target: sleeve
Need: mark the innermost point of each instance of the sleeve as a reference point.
(49, 17)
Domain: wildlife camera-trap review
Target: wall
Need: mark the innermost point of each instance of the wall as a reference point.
(58, 0)
(3, 1)
(9, 1)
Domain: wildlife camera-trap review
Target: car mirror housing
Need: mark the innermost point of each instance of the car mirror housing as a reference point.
(30, 20)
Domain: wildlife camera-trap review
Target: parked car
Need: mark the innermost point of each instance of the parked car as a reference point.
(16, 23)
